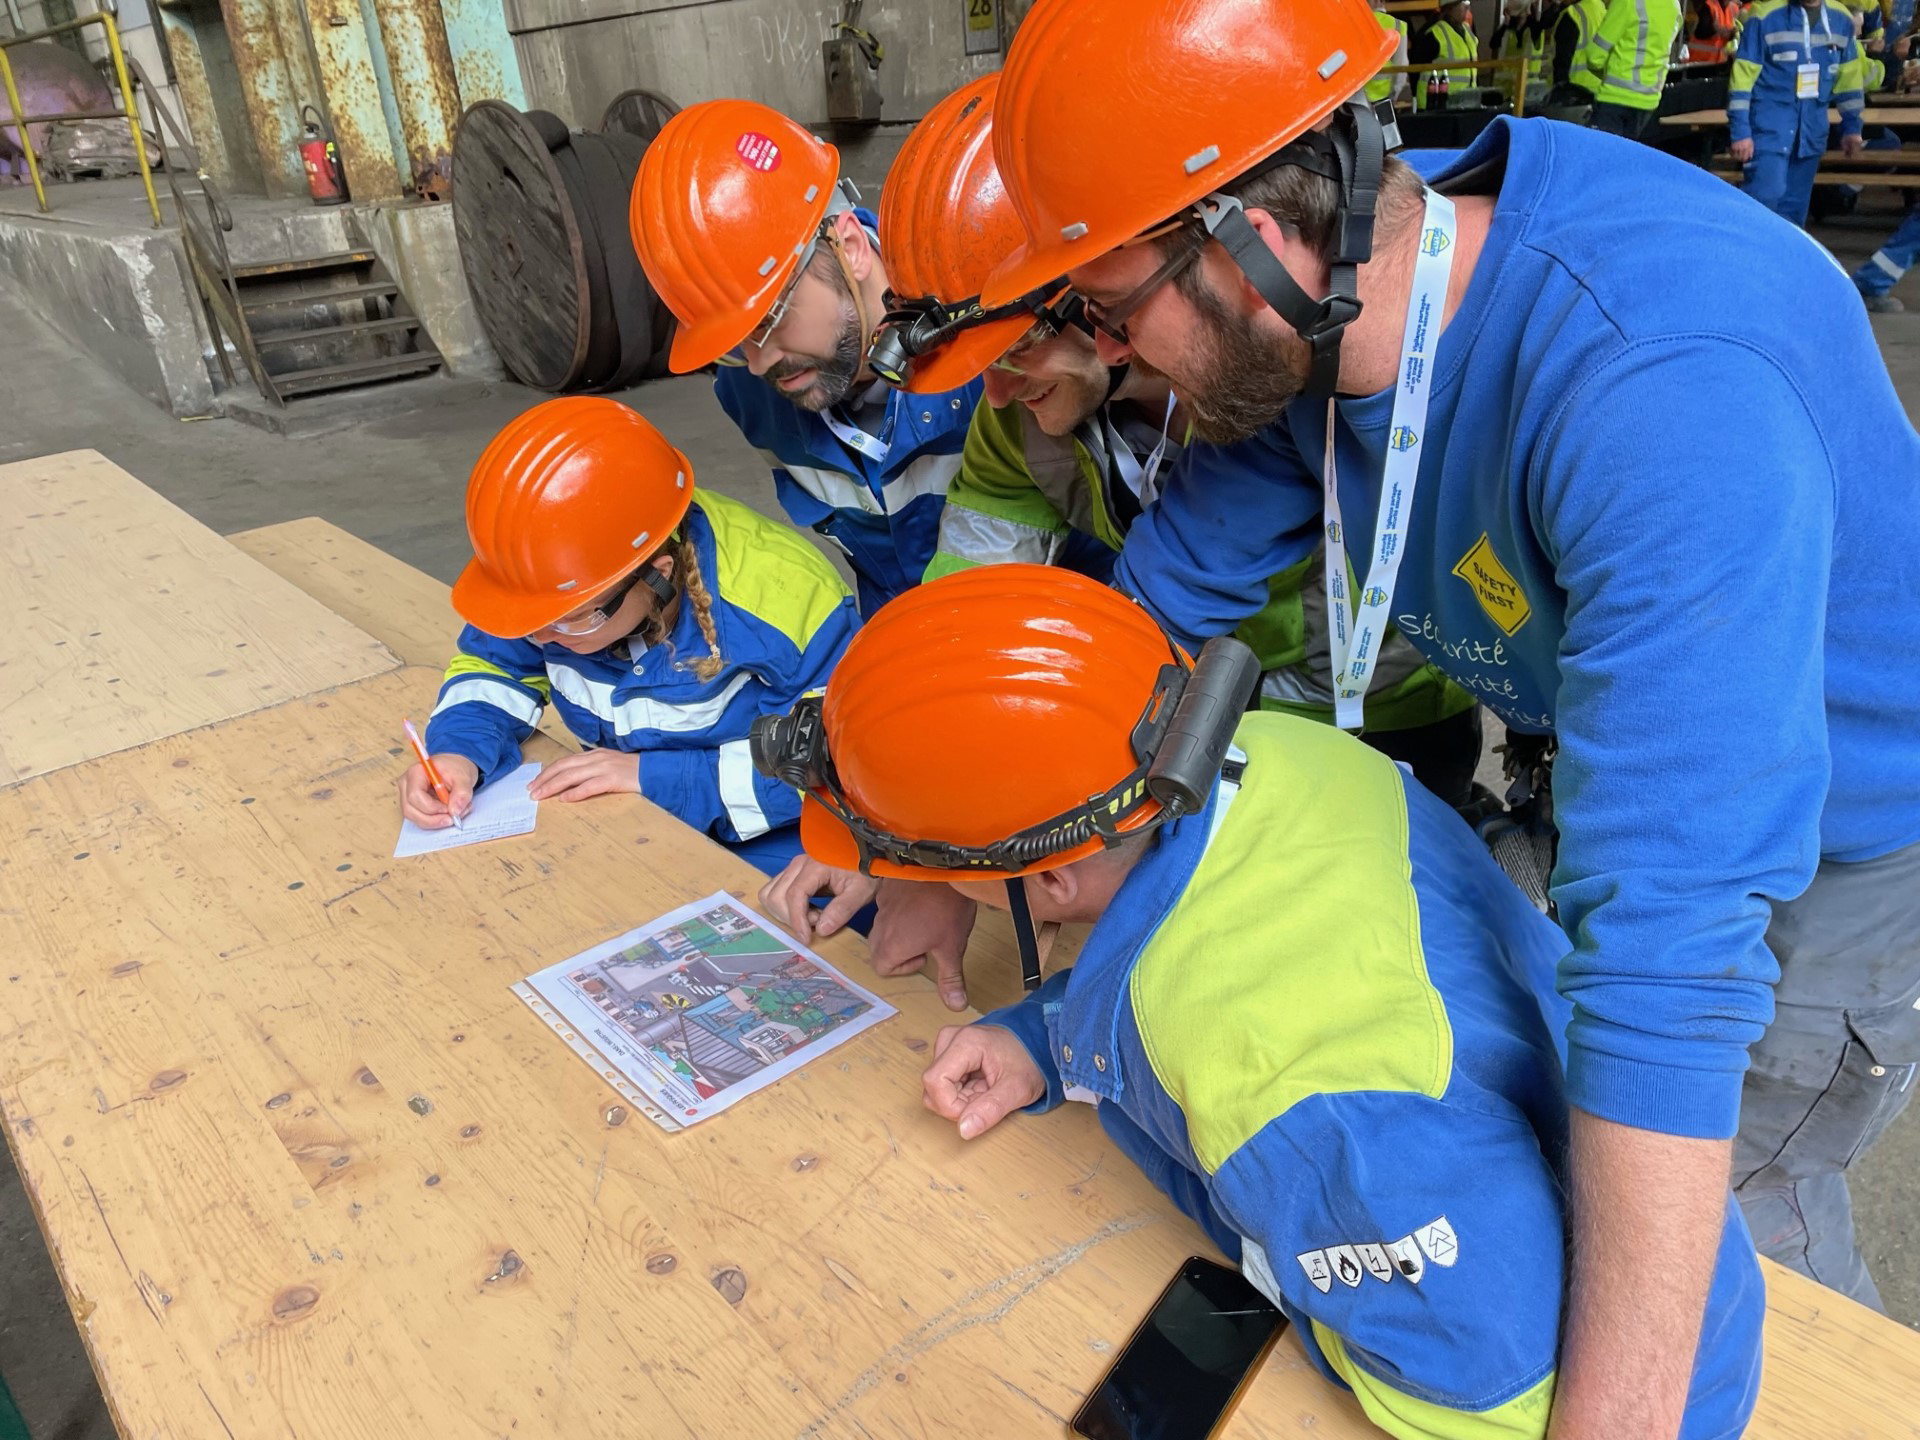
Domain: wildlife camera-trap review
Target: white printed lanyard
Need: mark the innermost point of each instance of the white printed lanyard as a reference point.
(1355, 643)
(856, 439)
(1806, 85)
(1140, 480)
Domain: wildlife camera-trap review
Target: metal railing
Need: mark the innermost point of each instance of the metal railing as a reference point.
(1521, 65)
(205, 244)
(129, 111)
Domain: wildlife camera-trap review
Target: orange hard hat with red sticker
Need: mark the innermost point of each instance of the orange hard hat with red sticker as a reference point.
(729, 197)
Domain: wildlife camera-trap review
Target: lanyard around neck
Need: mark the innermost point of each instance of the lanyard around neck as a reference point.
(1355, 639)
(1142, 480)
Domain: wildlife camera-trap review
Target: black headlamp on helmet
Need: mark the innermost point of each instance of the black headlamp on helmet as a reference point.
(1179, 744)
(913, 328)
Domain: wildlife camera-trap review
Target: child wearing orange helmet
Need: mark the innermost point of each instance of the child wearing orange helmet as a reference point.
(659, 625)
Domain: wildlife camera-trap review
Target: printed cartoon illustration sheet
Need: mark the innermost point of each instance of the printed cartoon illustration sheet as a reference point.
(699, 1009)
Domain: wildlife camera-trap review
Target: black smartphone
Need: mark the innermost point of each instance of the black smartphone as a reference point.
(1188, 1362)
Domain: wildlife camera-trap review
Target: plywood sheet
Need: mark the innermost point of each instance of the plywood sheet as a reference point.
(125, 620)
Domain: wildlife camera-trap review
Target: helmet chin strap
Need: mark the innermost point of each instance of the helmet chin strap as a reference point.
(1024, 932)
(853, 289)
(1348, 152)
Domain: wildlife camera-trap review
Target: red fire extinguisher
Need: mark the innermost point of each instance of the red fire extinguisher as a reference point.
(325, 181)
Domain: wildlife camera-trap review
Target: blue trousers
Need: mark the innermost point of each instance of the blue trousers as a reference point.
(1893, 259)
(1782, 183)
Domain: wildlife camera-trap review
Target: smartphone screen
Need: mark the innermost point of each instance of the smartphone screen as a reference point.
(1183, 1367)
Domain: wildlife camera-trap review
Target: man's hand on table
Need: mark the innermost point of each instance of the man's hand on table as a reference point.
(921, 921)
(980, 1075)
(420, 805)
(917, 921)
(789, 897)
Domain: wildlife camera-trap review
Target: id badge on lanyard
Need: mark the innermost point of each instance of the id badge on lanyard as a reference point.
(1354, 636)
(1806, 80)
(856, 439)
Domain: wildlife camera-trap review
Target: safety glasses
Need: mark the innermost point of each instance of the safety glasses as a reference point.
(585, 623)
(1049, 321)
(777, 316)
(1111, 320)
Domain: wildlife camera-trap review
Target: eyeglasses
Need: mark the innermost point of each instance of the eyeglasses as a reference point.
(600, 614)
(776, 317)
(1111, 320)
(1049, 321)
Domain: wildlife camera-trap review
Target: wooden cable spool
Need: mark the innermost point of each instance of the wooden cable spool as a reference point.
(540, 214)
(640, 113)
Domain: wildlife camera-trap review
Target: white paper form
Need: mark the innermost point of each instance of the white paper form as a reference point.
(499, 810)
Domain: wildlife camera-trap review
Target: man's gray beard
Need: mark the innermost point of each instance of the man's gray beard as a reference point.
(836, 372)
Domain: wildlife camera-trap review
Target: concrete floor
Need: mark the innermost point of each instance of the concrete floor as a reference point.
(398, 483)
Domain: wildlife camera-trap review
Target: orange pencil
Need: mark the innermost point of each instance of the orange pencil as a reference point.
(433, 775)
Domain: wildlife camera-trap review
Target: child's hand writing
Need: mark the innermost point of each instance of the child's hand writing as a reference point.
(420, 805)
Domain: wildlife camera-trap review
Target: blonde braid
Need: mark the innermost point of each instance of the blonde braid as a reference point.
(693, 586)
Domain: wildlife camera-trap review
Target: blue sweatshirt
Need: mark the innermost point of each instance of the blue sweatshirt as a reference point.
(782, 618)
(1719, 619)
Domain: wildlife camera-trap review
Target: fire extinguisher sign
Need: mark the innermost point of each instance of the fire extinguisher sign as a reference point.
(983, 26)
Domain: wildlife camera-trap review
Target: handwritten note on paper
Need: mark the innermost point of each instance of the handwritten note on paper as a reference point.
(499, 810)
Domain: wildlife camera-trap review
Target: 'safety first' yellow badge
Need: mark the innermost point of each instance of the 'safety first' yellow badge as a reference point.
(1493, 587)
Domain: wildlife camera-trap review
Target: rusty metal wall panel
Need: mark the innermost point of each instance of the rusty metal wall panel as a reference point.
(229, 159)
(267, 93)
(353, 106)
(483, 58)
(577, 55)
(424, 88)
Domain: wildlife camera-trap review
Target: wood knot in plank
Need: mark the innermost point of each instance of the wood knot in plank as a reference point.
(126, 967)
(803, 1163)
(916, 1044)
(510, 1265)
(295, 1301)
(731, 1282)
(166, 1080)
(467, 1132)
(367, 1077)
(324, 793)
(420, 1105)
(662, 1264)
(182, 763)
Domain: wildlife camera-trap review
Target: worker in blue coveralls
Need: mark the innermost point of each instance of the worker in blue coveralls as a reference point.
(748, 233)
(1463, 386)
(657, 623)
(1793, 60)
(1310, 1008)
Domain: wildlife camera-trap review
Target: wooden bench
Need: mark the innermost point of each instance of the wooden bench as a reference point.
(413, 614)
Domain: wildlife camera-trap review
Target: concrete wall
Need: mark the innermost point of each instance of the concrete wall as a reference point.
(576, 55)
(126, 299)
(418, 246)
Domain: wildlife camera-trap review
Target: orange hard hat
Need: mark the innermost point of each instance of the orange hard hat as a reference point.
(729, 196)
(948, 222)
(1116, 117)
(984, 703)
(569, 498)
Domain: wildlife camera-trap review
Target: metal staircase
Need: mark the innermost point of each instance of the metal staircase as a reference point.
(301, 326)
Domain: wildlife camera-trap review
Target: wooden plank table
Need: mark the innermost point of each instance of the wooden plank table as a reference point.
(308, 1168)
(127, 620)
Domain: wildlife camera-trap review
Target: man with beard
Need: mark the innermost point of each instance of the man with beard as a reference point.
(1063, 455)
(749, 235)
(1472, 391)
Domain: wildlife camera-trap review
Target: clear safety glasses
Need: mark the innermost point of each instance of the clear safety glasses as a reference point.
(585, 622)
(776, 317)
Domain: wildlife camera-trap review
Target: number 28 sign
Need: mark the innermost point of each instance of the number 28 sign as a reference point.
(983, 26)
